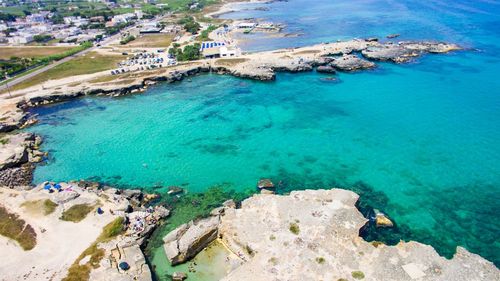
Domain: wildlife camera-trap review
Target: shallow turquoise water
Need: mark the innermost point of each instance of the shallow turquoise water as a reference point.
(425, 135)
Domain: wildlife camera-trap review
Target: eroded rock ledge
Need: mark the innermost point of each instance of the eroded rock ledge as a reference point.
(17, 154)
(352, 55)
(314, 235)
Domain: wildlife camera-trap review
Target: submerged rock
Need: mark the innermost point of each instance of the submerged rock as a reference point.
(175, 190)
(330, 79)
(381, 219)
(265, 183)
(179, 276)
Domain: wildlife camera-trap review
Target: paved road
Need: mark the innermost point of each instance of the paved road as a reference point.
(54, 64)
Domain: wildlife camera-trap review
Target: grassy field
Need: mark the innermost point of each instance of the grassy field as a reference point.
(89, 63)
(81, 272)
(45, 207)
(30, 52)
(11, 226)
(150, 41)
(22, 74)
(77, 213)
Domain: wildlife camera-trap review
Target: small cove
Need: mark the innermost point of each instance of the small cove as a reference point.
(419, 141)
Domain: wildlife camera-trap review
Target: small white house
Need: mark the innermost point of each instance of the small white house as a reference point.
(20, 39)
(226, 51)
(245, 25)
(139, 14)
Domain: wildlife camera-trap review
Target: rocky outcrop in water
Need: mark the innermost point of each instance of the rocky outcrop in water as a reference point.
(405, 51)
(326, 69)
(314, 235)
(17, 152)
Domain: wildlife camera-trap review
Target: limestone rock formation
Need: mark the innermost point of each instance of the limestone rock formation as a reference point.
(390, 52)
(405, 51)
(14, 150)
(265, 183)
(381, 220)
(17, 152)
(325, 69)
(314, 235)
(189, 239)
(351, 63)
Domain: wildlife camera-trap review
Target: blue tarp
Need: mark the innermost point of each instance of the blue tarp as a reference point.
(124, 266)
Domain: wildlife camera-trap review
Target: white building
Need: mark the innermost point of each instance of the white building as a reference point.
(35, 18)
(139, 14)
(76, 21)
(123, 18)
(227, 51)
(150, 27)
(172, 28)
(246, 25)
(20, 39)
(214, 49)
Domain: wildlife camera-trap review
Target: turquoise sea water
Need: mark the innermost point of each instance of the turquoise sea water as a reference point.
(422, 139)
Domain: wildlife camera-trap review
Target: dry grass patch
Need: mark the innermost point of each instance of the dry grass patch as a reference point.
(89, 63)
(79, 272)
(77, 213)
(44, 207)
(230, 62)
(307, 52)
(151, 41)
(105, 78)
(11, 226)
(31, 52)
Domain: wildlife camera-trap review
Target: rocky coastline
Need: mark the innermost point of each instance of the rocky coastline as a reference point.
(345, 56)
(317, 239)
(19, 152)
(127, 210)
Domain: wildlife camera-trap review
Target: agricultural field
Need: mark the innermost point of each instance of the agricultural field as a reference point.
(31, 52)
(151, 41)
(89, 63)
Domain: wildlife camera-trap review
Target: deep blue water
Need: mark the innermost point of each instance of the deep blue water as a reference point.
(421, 141)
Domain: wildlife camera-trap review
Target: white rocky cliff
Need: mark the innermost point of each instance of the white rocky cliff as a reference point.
(314, 235)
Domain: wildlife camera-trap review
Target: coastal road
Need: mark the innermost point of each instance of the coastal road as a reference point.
(43, 69)
(26, 77)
